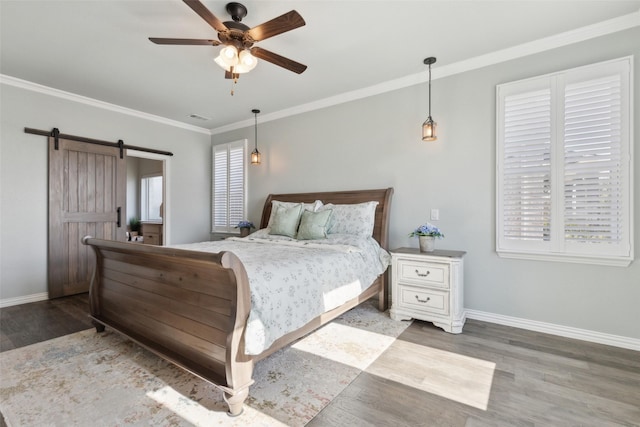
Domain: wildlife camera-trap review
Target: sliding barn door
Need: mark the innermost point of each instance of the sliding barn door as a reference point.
(87, 196)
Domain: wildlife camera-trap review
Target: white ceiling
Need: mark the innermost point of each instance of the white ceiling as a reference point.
(100, 50)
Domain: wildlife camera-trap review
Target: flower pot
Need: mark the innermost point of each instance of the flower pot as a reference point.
(244, 231)
(427, 243)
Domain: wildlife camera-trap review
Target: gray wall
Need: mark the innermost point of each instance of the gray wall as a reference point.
(375, 142)
(23, 177)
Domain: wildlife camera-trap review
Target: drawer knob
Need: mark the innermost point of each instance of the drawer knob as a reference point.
(422, 274)
(423, 300)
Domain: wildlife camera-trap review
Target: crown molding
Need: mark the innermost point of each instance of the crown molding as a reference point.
(35, 87)
(609, 26)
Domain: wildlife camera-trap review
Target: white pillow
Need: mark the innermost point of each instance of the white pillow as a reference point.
(305, 206)
(357, 219)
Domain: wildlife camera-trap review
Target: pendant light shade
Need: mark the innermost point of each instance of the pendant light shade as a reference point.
(255, 154)
(429, 130)
(429, 126)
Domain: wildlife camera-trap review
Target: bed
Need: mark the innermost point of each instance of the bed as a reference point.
(194, 307)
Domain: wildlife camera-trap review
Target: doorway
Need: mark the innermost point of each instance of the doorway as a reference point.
(146, 174)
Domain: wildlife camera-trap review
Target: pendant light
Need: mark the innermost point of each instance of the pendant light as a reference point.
(429, 126)
(255, 154)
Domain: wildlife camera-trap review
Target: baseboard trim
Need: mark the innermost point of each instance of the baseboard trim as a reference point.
(8, 302)
(553, 329)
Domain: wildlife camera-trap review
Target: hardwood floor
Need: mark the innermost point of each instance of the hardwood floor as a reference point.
(26, 324)
(490, 375)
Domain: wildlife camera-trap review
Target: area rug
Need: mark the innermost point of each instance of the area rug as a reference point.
(105, 380)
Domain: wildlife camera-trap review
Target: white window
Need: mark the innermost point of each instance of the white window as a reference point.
(565, 166)
(151, 198)
(228, 186)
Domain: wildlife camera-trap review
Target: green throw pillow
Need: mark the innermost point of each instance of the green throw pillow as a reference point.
(314, 225)
(285, 223)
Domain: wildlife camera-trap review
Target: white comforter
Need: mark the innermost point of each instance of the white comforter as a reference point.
(293, 281)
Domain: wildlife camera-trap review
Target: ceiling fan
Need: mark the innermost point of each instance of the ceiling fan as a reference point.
(239, 53)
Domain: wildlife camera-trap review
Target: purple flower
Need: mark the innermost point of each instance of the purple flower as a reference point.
(427, 230)
(245, 224)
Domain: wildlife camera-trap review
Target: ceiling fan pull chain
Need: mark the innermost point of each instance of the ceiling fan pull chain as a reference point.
(234, 81)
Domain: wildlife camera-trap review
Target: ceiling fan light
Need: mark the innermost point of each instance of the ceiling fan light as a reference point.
(229, 55)
(247, 63)
(222, 64)
(248, 60)
(240, 69)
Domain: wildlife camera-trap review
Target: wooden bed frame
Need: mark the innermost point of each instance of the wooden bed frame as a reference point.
(191, 307)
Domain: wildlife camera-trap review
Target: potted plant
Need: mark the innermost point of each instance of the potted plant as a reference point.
(427, 233)
(245, 228)
(134, 226)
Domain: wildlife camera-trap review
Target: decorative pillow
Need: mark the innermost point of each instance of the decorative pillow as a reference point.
(286, 220)
(306, 206)
(357, 219)
(314, 225)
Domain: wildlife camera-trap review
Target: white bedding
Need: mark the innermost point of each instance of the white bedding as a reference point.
(294, 281)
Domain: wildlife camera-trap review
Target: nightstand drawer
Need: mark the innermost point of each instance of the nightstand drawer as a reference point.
(424, 300)
(152, 239)
(152, 233)
(423, 273)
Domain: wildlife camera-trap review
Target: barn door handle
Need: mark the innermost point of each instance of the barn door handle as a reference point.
(119, 210)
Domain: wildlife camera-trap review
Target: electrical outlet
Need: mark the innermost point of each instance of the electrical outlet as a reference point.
(435, 214)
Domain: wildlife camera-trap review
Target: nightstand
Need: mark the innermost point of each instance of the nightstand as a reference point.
(152, 233)
(428, 286)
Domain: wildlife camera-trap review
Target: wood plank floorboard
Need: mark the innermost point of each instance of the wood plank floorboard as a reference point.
(490, 375)
(26, 324)
(538, 380)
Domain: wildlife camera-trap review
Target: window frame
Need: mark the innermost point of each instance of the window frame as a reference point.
(559, 248)
(144, 200)
(230, 226)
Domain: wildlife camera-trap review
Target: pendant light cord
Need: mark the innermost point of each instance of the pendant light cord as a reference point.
(429, 90)
(255, 112)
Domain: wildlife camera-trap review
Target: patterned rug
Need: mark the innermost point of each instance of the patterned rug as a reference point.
(105, 380)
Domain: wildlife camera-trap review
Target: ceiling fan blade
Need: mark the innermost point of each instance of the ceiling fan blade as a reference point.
(160, 40)
(206, 14)
(283, 23)
(276, 59)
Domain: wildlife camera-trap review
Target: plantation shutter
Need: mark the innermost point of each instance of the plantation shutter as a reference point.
(564, 166)
(593, 205)
(229, 186)
(236, 185)
(527, 166)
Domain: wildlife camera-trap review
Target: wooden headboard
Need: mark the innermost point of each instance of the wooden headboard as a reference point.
(382, 196)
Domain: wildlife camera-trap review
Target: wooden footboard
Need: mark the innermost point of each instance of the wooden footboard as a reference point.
(188, 307)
